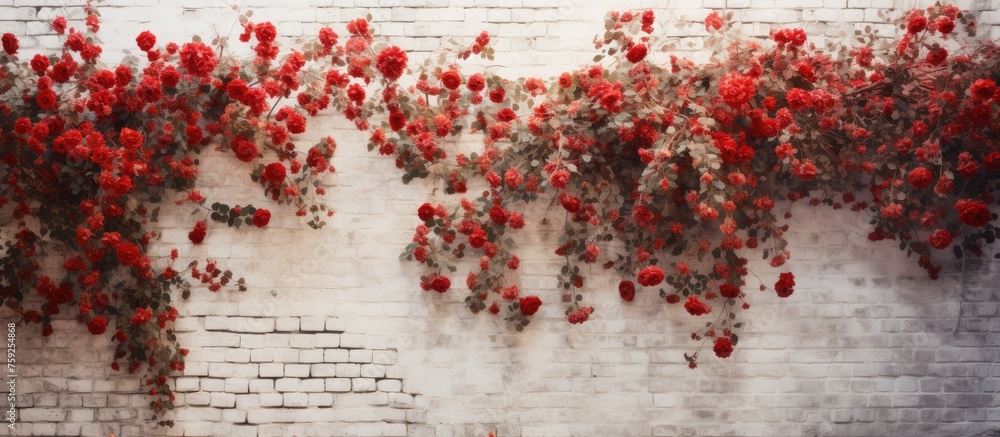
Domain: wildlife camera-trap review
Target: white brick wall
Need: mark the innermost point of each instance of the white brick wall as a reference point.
(335, 338)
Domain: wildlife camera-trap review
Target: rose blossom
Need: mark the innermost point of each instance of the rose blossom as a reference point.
(529, 305)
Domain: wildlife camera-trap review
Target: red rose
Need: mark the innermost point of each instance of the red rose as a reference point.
(713, 21)
(916, 23)
(784, 285)
(237, 89)
(729, 291)
(130, 139)
(498, 215)
(651, 276)
(497, 95)
(265, 32)
(570, 203)
(244, 149)
(478, 238)
(274, 173)
(920, 178)
(169, 76)
(10, 44)
(197, 235)
(128, 253)
(40, 63)
(425, 212)
(626, 289)
(46, 99)
(142, 315)
(198, 58)
(972, 213)
(476, 83)
(983, 89)
(992, 161)
(261, 218)
(328, 37)
(391, 62)
(982, 114)
(397, 120)
(529, 305)
(737, 89)
(723, 347)
(696, 307)
(97, 325)
(636, 53)
(940, 239)
(559, 179)
(59, 24)
(146, 40)
(451, 79)
(441, 284)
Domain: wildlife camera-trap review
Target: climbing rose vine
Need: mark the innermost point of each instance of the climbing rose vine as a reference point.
(89, 153)
(669, 172)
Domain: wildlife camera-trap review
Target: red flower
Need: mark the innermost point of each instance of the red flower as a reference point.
(983, 89)
(992, 161)
(559, 179)
(476, 83)
(920, 178)
(244, 149)
(972, 213)
(529, 305)
(274, 173)
(714, 21)
(650, 276)
(940, 239)
(97, 325)
(478, 238)
(40, 63)
(265, 32)
(737, 89)
(451, 79)
(261, 218)
(498, 215)
(626, 289)
(916, 23)
(441, 284)
(723, 347)
(146, 40)
(696, 307)
(498, 95)
(570, 203)
(59, 24)
(391, 62)
(198, 59)
(130, 139)
(46, 99)
(397, 120)
(636, 53)
(197, 235)
(10, 44)
(128, 253)
(142, 315)
(784, 285)
(425, 212)
(729, 291)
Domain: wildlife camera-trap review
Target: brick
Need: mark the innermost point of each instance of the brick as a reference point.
(338, 385)
(336, 355)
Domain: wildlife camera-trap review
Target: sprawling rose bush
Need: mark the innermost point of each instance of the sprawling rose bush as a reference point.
(672, 173)
(669, 172)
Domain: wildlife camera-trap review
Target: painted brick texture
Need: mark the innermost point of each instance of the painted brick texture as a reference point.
(334, 337)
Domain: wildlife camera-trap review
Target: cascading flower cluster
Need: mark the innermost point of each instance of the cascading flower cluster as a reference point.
(683, 165)
(88, 153)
